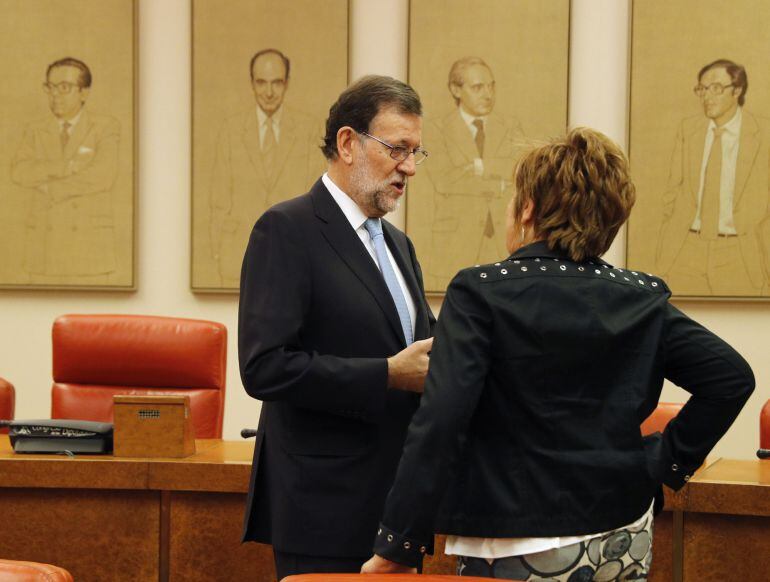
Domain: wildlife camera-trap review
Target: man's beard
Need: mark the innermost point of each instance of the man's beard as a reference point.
(374, 195)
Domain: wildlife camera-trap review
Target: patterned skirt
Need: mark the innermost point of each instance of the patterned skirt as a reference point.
(622, 554)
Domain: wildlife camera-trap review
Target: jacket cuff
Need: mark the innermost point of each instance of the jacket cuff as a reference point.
(401, 549)
(676, 475)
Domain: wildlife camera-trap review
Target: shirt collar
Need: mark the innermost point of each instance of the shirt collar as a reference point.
(72, 122)
(349, 208)
(733, 127)
(468, 118)
(540, 249)
(262, 116)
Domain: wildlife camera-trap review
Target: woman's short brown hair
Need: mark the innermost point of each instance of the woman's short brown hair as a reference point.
(581, 191)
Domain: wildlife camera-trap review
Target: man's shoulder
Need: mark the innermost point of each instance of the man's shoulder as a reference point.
(507, 121)
(297, 206)
(101, 121)
(759, 121)
(48, 123)
(239, 121)
(292, 115)
(694, 123)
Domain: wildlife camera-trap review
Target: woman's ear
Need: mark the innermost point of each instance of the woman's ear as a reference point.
(527, 213)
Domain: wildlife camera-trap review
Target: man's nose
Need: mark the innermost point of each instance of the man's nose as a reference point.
(408, 166)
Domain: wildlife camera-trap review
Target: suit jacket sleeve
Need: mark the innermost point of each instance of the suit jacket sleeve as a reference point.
(459, 364)
(674, 189)
(88, 172)
(720, 382)
(274, 303)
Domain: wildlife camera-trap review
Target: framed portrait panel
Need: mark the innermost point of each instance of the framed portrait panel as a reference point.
(493, 79)
(67, 189)
(700, 146)
(264, 76)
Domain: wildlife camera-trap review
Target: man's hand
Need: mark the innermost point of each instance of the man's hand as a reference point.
(407, 369)
(379, 565)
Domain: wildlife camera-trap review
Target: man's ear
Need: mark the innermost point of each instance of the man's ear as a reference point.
(84, 94)
(454, 90)
(346, 136)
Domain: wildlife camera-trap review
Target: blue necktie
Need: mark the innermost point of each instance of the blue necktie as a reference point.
(374, 228)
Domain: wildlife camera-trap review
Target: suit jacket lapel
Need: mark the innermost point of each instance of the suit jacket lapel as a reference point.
(285, 142)
(250, 139)
(747, 152)
(461, 136)
(695, 160)
(337, 230)
(79, 134)
(400, 251)
(52, 140)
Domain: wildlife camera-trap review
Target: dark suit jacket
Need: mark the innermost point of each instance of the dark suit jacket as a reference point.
(316, 323)
(541, 373)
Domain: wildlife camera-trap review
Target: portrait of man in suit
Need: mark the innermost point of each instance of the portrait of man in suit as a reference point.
(263, 155)
(716, 205)
(473, 151)
(68, 162)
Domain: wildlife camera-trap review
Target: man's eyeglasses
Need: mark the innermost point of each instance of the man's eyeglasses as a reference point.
(399, 152)
(63, 88)
(713, 89)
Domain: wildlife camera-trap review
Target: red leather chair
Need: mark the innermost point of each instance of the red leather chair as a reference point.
(13, 571)
(7, 402)
(382, 578)
(764, 432)
(660, 417)
(98, 356)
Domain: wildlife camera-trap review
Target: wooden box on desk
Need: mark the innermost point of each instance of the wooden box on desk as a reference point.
(153, 426)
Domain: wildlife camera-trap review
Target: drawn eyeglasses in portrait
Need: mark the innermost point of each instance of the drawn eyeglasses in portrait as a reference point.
(712, 89)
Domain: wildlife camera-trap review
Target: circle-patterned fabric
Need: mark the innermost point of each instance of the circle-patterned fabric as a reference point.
(617, 556)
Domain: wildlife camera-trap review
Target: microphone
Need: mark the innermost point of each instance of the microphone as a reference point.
(247, 433)
(763, 453)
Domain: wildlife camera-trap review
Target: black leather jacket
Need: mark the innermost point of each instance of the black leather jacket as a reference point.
(541, 373)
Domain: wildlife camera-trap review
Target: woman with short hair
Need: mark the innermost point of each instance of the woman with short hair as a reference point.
(526, 449)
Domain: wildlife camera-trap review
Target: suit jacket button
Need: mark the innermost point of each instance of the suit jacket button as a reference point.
(674, 467)
(407, 545)
(390, 537)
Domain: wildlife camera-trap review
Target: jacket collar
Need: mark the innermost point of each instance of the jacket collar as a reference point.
(540, 249)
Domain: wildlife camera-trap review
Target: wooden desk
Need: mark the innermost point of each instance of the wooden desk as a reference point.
(106, 518)
(726, 522)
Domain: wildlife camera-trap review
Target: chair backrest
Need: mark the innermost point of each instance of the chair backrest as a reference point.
(98, 356)
(14, 571)
(660, 417)
(7, 402)
(383, 578)
(764, 427)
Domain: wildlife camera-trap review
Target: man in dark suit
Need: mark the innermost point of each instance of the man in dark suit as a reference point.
(332, 338)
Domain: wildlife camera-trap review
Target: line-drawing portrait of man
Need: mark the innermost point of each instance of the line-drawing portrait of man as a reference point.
(69, 163)
(263, 156)
(717, 196)
(472, 151)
